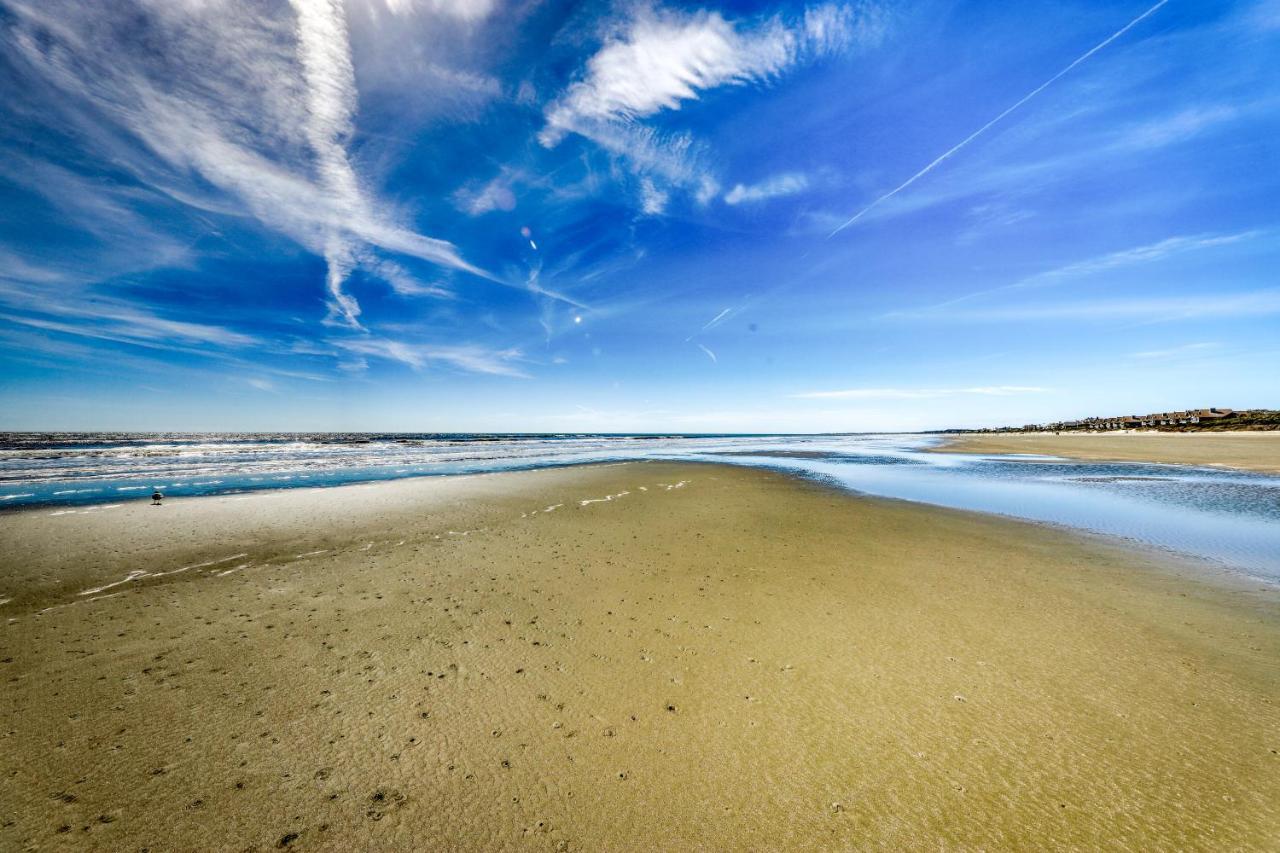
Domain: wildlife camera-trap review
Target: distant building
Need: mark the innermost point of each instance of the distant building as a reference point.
(1156, 419)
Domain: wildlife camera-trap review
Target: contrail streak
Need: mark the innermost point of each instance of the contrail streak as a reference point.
(927, 169)
(714, 320)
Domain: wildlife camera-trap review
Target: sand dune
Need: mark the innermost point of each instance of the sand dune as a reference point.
(711, 658)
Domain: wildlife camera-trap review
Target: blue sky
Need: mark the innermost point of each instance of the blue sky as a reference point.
(538, 216)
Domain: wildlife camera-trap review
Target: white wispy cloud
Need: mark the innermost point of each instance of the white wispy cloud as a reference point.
(110, 318)
(30, 337)
(709, 353)
(405, 283)
(1178, 126)
(472, 359)
(256, 102)
(330, 98)
(663, 59)
(653, 201)
(16, 268)
(99, 209)
(1147, 253)
(660, 59)
(1175, 352)
(788, 183)
(479, 199)
(139, 329)
(466, 10)
(917, 393)
(1154, 309)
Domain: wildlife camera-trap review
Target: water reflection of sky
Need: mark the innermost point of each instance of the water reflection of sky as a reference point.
(1229, 517)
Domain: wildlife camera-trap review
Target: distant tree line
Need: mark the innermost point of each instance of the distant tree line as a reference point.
(1189, 420)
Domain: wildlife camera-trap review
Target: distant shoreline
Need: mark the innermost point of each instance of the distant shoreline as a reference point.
(1191, 420)
(1245, 450)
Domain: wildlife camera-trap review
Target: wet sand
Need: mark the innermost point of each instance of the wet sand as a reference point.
(1248, 451)
(642, 656)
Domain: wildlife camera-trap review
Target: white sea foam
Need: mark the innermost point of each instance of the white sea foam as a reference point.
(85, 511)
(132, 576)
(81, 601)
(604, 499)
(209, 563)
(139, 574)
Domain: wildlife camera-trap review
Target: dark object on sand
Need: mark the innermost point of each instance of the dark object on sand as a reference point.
(156, 497)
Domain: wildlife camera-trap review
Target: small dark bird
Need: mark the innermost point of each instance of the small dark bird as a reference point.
(156, 497)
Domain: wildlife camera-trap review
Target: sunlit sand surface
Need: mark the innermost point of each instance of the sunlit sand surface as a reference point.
(639, 656)
(1249, 451)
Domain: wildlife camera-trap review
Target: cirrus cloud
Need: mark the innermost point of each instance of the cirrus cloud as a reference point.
(789, 183)
(237, 106)
(657, 60)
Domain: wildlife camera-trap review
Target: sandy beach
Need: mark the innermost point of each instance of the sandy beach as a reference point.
(625, 657)
(1248, 451)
